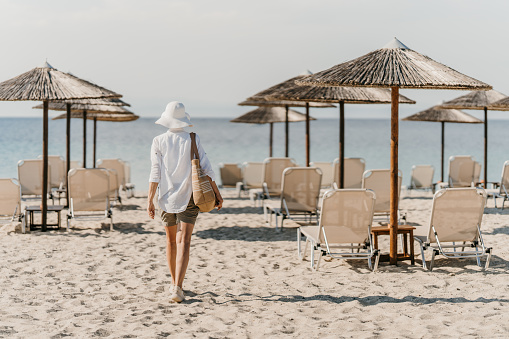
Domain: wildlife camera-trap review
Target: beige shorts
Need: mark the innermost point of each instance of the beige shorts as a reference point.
(188, 216)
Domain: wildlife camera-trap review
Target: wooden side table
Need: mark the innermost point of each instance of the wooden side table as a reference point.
(29, 215)
(407, 232)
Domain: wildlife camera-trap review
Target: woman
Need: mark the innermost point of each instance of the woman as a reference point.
(171, 171)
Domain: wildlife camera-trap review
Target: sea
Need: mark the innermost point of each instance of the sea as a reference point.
(226, 142)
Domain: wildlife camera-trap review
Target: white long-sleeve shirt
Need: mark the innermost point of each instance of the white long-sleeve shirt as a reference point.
(171, 168)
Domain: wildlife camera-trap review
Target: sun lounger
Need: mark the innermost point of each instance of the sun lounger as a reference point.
(10, 201)
(114, 191)
(344, 230)
(462, 171)
(118, 166)
(477, 173)
(378, 181)
(252, 178)
(454, 229)
(354, 168)
(327, 169)
(89, 195)
(300, 190)
(129, 186)
(30, 178)
(272, 173)
(421, 177)
(231, 176)
(57, 177)
(503, 186)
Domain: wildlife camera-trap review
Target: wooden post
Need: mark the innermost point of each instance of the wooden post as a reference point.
(44, 198)
(95, 139)
(307, 135)
(341, 144)
(393, 222)
(67, 152)
(485, 147)
(84, 139)
(287, 134)
(443, 142)
(271, 138)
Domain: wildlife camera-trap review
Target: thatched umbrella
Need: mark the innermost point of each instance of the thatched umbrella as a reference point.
(82, 109)
(478, 101)
(289, 90)
(48, 84)
(270, 115)
(394, 66)
(442, 115)
(81, 105)
(109, 113)
(286, 104)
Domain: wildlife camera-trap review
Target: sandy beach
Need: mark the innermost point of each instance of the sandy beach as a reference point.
(244, 280)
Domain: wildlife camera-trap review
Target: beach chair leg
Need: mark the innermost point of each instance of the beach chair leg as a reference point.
(110, 215)
(312, 250)
(301, 253)
(478, 258)
(503, 203)
(23, 223)
(435, 252)
(320, 255)
(488, 250)
(68, 222)
(377, 260)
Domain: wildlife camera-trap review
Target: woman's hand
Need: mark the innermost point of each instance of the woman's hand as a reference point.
(151, 209)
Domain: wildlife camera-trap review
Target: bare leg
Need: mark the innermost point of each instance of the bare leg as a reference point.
(183, 247)
(171, 250)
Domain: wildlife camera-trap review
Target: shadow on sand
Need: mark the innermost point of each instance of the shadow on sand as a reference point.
(364, 301)
(247, 233)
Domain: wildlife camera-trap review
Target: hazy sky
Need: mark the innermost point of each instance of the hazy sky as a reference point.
(213, 54)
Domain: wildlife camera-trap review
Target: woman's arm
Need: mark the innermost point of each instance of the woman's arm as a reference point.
(155, 177)
(219, 198)
(151, 194)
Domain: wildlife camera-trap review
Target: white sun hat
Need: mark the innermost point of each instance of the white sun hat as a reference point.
(175, 116)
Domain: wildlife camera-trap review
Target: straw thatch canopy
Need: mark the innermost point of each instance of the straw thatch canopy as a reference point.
(394, 65)
(47, 83)
(289, 90)
(117, 117)
(500, 105)
(437, 114)
(103, 101)
(266, 115)
(90, 108)
(478, 100)
(281, 103)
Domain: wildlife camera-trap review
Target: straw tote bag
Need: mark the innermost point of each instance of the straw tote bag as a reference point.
(203, 194)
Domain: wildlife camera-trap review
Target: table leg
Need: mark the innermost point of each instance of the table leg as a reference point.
(375, 241)
(405, 246)
(412, 258)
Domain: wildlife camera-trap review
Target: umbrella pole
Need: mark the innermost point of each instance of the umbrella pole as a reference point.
(393, 222)
(341, 144)
(44, 208)
(67, 152)
(307, 135)
(443, 139)
(270, 138)
(84, 139)
(485, 147)
(95, 138)
(287, 132)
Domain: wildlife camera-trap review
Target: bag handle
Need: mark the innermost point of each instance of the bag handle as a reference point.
(194, 148)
